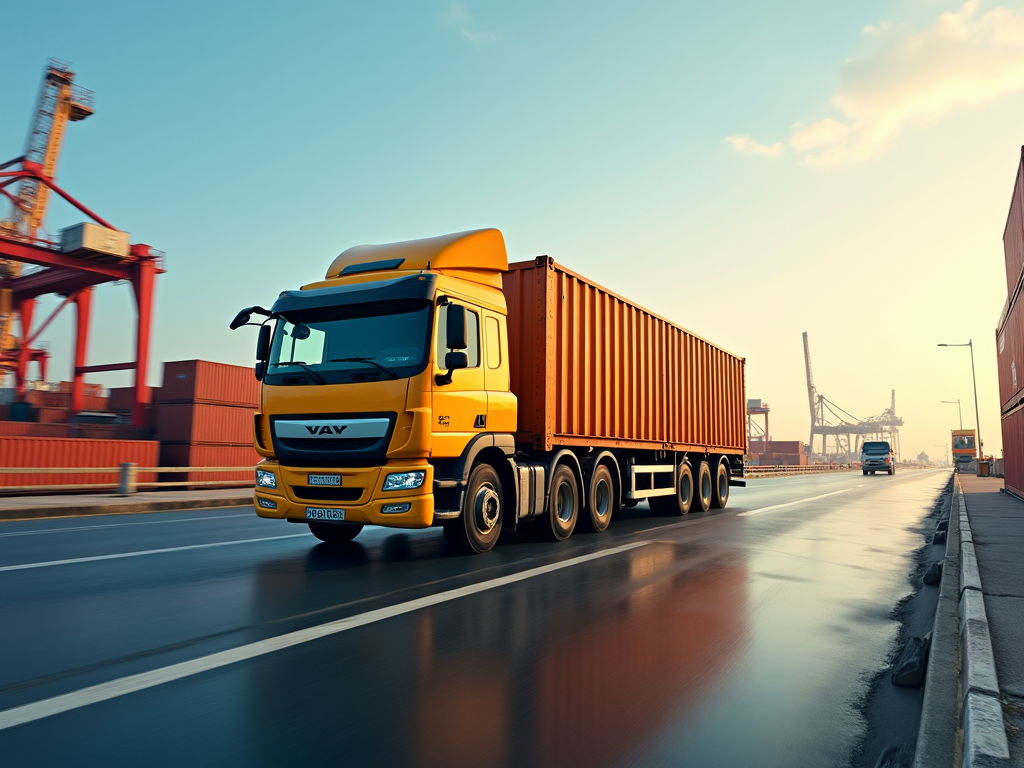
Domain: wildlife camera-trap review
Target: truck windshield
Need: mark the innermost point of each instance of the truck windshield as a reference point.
(875, 448)
(963, 442)
(357, 342)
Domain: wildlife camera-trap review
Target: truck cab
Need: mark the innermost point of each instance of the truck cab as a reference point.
(877, 456)
(391, 369)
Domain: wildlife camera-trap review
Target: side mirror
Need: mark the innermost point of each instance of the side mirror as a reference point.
(263, 344)
(241, 318)
(454, 361)
(300, 332)
(455, 334)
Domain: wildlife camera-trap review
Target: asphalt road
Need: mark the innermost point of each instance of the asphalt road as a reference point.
(740, 637)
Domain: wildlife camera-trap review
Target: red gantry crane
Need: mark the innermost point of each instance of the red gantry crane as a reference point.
(86, 255)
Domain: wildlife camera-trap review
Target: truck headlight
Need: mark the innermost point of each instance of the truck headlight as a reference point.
(265, 479)
(404, 481)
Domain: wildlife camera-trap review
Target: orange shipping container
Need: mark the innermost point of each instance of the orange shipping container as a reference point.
(123, 398)
(52, 415)
(185, 455)
(1013, 450)
(39, 452)
(32, 429)
(590, 368)
(201, 423)
(200, 381)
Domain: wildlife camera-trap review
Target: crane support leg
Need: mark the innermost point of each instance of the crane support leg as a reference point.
(26, 308)
(142, 283)
(83, 310)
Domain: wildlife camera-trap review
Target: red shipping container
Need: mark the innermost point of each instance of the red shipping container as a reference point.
(1013, 234)
(41, 452)
(123, 398)
(202, 423)
(52, 416)
(200, 381)
(32, 429)
(1010, 356)
(1013, 451)
(590, 368)
(187, 455)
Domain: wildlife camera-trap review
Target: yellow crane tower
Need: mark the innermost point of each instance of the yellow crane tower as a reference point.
(60, 102)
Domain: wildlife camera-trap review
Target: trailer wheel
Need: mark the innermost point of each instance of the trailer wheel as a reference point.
(564, 503)
(478, 527)
(720, 497)
(601, 501)
(333, 533)
(704, 487)
(681, 501)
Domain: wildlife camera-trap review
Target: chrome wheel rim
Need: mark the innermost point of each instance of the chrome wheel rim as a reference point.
(486, 507)
(565, 504)
(602, 498)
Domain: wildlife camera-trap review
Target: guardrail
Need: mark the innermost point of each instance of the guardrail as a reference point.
(127, 474)
(777, 470)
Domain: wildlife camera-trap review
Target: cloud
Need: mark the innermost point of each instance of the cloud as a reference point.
(965, 58)
(747, 146)
(458, 17)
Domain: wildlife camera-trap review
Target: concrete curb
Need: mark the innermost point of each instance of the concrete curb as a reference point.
(122, 508)
(936, 735)
(985, 741)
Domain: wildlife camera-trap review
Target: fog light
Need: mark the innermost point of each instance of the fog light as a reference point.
(395, 509)
(404, 481)
(265, 479)
(266, 503)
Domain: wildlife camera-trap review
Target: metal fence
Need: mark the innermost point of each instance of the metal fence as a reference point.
(127, 474)
(795, 469)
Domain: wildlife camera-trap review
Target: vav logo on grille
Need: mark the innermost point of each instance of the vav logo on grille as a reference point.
(326, 429)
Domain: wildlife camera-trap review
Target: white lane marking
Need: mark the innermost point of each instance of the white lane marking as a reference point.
(37, 710)
(119, 555)
(791, 503)
(122, 525)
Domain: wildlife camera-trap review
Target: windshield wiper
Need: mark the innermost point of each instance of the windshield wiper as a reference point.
(313, 374)
(389, 371)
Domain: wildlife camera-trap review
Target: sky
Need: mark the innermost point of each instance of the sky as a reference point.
(748, 170)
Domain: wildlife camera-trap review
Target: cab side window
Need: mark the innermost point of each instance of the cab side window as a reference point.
(472, 337)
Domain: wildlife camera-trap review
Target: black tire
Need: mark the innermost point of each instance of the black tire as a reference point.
(704, 488)
(720, 490)
(892, 470)
(335, 533)
(602, 501)
(477, 529)
(563, 504)
(864, 471)
(682, 500)
(872, 471)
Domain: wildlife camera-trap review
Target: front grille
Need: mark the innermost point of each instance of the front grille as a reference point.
(322, 493)
(327, 444)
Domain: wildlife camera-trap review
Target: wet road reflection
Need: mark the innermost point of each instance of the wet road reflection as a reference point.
(724, 640)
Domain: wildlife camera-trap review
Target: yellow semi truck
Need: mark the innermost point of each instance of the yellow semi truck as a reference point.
(429, 382)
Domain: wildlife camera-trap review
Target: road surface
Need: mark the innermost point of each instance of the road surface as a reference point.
(739, 637)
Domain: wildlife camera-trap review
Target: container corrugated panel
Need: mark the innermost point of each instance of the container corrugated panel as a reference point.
(1010, 357)
(31, 429)
(73, 452)
(186, 455)
(123, 398)
(1013, 451)
(200, 381)
(590, 368)
(1013, 235)
(202, 423)
(52, 415)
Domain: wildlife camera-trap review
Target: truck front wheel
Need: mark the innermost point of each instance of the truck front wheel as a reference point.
(335, 533)
(478, 527)
(564, 503)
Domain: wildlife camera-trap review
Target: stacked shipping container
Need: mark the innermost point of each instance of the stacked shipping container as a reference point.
(1010, 341)
(204, 418)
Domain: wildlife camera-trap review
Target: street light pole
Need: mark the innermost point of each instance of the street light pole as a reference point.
(974, 381)
(958, 409)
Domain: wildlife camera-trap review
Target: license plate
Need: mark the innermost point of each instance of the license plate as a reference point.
(320, 513)
(325, 479)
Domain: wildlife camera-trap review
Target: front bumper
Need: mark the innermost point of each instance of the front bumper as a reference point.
(875, 466)
(292, 495)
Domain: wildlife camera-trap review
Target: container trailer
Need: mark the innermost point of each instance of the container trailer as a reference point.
(430, 383)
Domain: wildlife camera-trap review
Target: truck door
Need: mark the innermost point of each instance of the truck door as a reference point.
(459, 408)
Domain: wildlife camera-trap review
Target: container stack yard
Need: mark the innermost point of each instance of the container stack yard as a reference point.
(204, 418)
(1010, 341)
